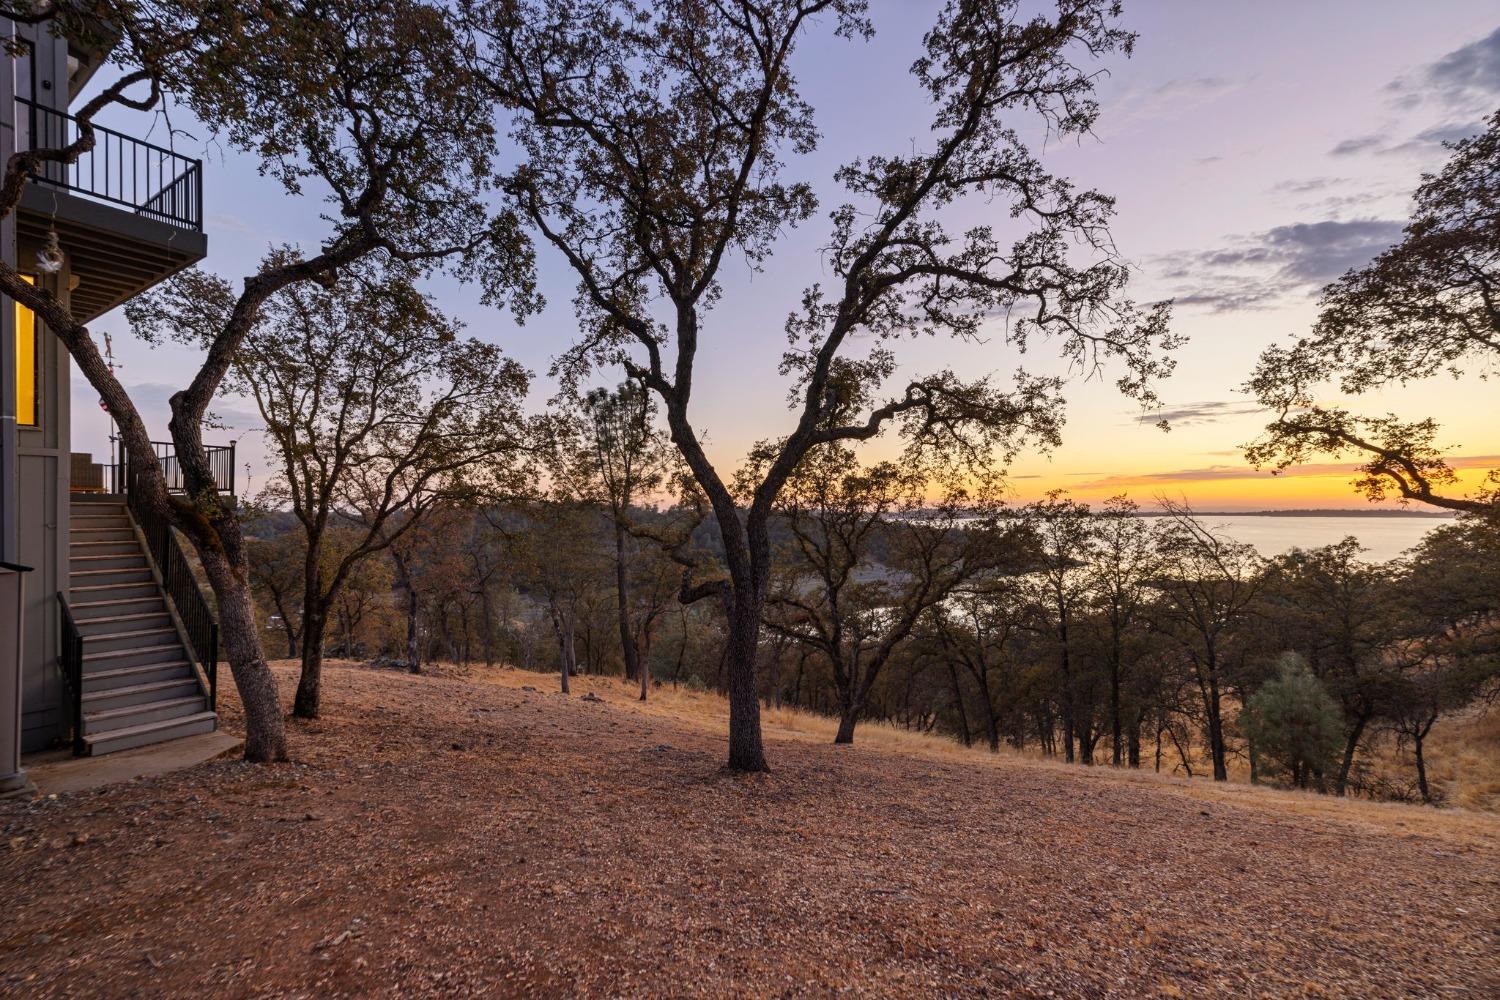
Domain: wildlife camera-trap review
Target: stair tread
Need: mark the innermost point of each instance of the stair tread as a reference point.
(137, 554)
(164, 630)
(105, 714)
(147, 727)
(118, 600)
(139, 668)
(106, 572)
(112, 586)
(108, 619)
(115, 654)
(110, 600)
(135, 689)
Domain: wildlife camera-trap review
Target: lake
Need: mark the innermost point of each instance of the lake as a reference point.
(1383, 537)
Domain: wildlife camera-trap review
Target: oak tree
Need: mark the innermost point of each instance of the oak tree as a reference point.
(655, 140)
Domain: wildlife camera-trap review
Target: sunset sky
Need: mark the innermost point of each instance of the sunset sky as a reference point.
(1256, 151)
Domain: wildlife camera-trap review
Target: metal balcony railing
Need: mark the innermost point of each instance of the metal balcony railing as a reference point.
(220, 464)
(151, 181)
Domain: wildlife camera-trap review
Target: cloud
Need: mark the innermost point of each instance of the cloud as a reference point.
(1172, 99)
(1256, 271)
(1362, 144)
(1207, 412)
(1194, 87)
(1319, 251)
(1426, 141)
(1467, 77)
(1308, 185)
(1465, 83)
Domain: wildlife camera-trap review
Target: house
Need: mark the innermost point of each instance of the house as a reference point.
(106, 640)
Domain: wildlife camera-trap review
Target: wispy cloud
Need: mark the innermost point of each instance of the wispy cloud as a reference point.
(1206, 412)
(1468, 77)
(1462, 86)
(1255, 271)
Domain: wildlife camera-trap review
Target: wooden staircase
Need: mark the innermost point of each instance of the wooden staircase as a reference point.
(139, 682)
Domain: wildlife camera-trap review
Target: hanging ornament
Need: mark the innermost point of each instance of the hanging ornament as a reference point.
(50, 257)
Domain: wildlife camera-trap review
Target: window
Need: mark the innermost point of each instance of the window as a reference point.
(27, 363)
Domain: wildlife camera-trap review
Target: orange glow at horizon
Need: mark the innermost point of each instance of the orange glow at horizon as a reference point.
(1242, 488)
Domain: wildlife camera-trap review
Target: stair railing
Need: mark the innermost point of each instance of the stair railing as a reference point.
(181, 587)
(70, 665)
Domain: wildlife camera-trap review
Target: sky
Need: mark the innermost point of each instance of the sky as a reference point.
(1256, 151)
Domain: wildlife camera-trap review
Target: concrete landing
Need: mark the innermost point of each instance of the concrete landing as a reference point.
(54, 774)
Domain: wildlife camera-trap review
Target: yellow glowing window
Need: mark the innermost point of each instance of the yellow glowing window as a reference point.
(26, 364)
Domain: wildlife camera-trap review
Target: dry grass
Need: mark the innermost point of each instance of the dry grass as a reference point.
(1469, 751)
(456, 835)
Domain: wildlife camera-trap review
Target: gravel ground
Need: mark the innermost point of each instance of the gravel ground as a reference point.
(439, 836)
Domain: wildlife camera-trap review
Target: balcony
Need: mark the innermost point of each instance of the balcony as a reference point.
(114, 478)
(128, 213)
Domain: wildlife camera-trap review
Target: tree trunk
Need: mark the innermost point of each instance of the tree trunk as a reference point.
(404, 582)
(628, 648)
(286, 626)
(314, 624)
(1216, 747)
(1351, 746)
(413, 652)
(310, 684)
(645, 660)
(746, 752)
(1417, 741)
(1115, 733)
(487, 622)
(847, 719)
(265, 735)
(958, 704)
(852, 704)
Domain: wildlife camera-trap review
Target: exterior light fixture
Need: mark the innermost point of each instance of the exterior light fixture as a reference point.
(50, 257)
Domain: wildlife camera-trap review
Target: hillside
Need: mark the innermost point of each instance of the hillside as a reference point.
(478, 833)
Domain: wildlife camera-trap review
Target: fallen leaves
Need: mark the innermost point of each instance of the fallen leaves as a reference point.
(441, 837)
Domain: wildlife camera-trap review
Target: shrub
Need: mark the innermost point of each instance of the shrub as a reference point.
(1293, 724)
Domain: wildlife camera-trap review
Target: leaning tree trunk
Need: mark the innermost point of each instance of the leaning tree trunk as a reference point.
(1426, 790)
(265, 737)
(1351, 747)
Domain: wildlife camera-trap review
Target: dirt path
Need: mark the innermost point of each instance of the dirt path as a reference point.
(447, 838)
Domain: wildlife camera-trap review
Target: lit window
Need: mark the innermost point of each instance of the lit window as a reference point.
(27, 375)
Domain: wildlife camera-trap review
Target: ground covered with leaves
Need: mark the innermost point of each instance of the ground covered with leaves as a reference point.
(485, 835)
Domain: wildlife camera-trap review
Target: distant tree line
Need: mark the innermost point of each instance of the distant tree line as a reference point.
(1092, 635)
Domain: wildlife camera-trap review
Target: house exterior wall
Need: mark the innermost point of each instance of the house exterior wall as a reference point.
(34, 466)
(43, 468)
(12, 576)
